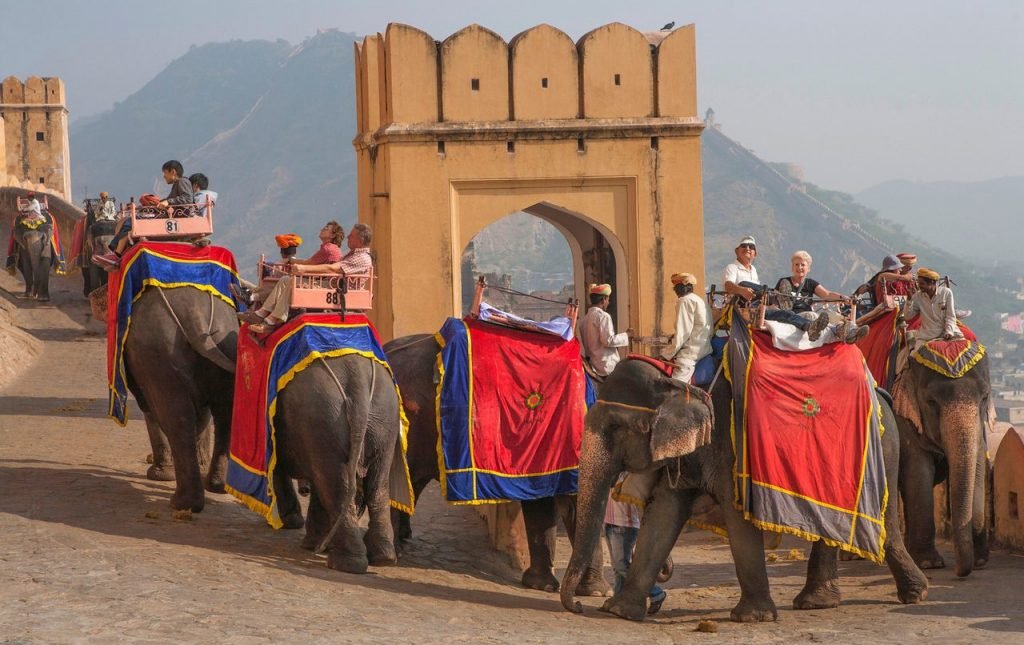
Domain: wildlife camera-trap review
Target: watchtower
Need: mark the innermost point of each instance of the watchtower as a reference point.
(600, 137)
(34, 150)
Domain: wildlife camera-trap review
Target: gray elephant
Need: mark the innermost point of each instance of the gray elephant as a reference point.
(950, 446)
(179, 357)
(337, 426)
(35, 257)
(649, 422)
(413, 360)
(98, 235)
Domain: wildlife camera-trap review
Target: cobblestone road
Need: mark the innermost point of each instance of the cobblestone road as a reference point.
(89, 552)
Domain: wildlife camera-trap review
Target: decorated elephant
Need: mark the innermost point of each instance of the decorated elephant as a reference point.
(98, 234)
(646, 422)
(179, 362)
(413, 360)
(337, 426)
(35, 256)
(942, 420)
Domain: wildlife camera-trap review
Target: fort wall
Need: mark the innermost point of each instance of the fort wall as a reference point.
(34, 149)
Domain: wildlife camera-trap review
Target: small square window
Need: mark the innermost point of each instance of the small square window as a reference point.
(510, 146)
(475, 84)
(42, 180)
(544, 82)
(618, 80)
(40, 136)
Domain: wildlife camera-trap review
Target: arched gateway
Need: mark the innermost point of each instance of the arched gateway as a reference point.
(601, 138)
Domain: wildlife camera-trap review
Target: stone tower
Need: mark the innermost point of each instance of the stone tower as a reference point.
(599, 137)
(34, 150)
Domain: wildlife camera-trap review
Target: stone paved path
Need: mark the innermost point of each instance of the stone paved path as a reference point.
(89, 553)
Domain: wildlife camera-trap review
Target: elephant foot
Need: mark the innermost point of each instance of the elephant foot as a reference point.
(215, 486)
(825, 596)
(626, 606)
(541, 580)
(382, 555)
(293, 521)
(347, 563)
(914, 594)
(187, 501)
(929, 560)
(593, 584)
(748, 611)
(404, 528)
(310, 541)
(304, 487)
(160, 473)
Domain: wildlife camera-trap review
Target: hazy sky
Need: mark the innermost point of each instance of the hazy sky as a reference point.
(857, 92)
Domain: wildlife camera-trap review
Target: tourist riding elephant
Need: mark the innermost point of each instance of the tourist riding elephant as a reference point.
(179, 358)
(413, 360)
(35, 257)
(337, 426)
(643, 423)
(948, 444)
(98, 236)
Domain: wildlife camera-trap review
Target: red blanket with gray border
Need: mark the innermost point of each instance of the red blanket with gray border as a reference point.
(806, 431)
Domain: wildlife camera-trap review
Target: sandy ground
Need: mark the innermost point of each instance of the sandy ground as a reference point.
(89, 552)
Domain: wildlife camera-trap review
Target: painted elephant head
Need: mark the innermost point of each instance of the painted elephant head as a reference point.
(643, 420)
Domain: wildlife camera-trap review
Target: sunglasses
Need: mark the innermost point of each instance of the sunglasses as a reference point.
(748, 246)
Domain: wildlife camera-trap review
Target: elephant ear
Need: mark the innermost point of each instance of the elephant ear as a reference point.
(682, 423)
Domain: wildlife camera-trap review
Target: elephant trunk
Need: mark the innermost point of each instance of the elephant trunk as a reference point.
(960, 423)
(597, 474)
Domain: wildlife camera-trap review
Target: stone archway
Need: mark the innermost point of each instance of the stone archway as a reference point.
(600, 138)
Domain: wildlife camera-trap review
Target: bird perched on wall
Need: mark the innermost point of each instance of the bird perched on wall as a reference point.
(669, 26)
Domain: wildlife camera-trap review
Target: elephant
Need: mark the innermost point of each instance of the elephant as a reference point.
(179, 357)
(340, 411)
(648, 422)
(35, 258)
(413, 360)
(949, 446)
(98, 235)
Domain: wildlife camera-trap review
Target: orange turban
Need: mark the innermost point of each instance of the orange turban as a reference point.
(928, 274)
(684, 278)
(287, 240)
(600, 289)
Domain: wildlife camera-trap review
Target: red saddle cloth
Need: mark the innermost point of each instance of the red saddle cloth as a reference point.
(662, 366)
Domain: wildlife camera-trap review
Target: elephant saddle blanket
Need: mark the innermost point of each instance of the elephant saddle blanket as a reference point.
(881, 346)
(511, 406)
(951, 358)
(167, 266)
(263, 370)
(806, 433)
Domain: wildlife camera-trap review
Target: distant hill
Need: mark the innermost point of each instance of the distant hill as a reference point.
(969, 219)
(272, 125)
(269, 123)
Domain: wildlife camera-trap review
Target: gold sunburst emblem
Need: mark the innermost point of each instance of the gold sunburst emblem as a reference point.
(810, 407)
(534, 400)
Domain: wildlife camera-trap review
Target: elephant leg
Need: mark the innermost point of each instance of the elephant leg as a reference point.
(317, 523)
(162, 469)
(337, 495)
(664, 517)
(747, 545)
(540, 519)
(380, 535)
(592, 583)
(287, 501)
(403, 521)
(917, 477)
(221, 408)
(177, 415)
(821, 590)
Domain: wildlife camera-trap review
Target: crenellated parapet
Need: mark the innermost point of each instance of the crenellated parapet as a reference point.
(405, 77)
(34, 149)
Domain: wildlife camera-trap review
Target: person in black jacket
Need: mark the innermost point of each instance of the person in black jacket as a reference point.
(181, 193)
